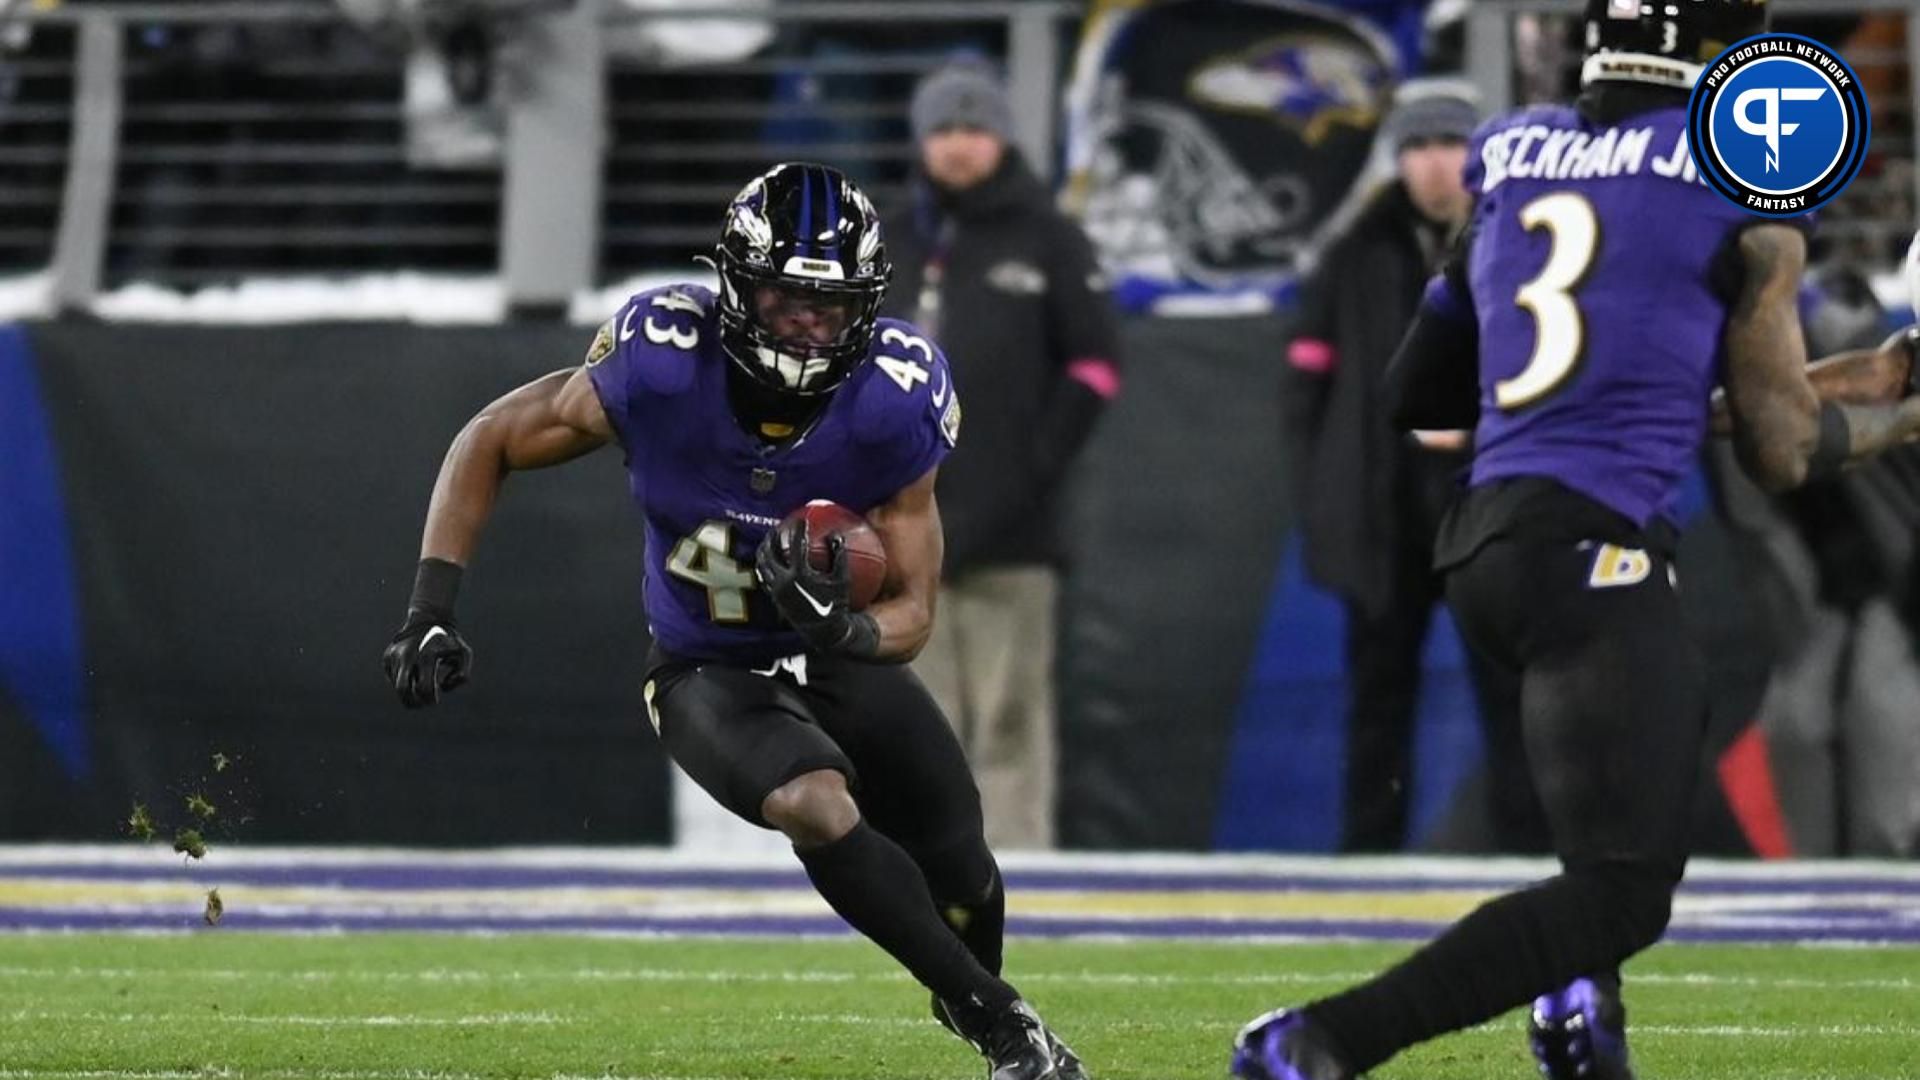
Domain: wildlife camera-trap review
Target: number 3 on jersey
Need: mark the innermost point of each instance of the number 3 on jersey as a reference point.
(706, 559)
(1560, 332)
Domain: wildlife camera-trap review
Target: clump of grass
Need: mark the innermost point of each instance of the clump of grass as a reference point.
(188, 842)
(140, 823)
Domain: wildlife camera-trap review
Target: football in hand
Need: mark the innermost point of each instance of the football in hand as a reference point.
(866, 556)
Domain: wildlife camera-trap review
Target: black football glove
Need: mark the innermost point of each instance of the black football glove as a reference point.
(428, 656)
(816, 603)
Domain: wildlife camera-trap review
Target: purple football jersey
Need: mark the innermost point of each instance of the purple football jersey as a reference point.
(1600, 330)
(709, 491)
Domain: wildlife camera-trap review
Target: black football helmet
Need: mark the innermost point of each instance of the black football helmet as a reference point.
(1664, 42)
(803, 269)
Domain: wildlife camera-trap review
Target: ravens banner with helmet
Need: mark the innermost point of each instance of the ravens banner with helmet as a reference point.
(1213, 144)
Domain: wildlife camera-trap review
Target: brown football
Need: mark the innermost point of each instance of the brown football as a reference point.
(866, 556)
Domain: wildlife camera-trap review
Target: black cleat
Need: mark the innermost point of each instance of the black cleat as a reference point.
(1580, 1032)
(1066, 1064)
(1015, 1043)
(1016, 1048)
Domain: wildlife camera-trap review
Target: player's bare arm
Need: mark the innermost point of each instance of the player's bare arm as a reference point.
(909, 527)
(1853, 377)
(551, 420)
(1783, 432)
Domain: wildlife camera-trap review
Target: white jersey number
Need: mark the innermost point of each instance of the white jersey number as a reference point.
(1560, 332)
(706, 559)
(908, 373)
(667, 334)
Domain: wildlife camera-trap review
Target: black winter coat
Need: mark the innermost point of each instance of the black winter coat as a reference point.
(1366, 491)
(1018, 301)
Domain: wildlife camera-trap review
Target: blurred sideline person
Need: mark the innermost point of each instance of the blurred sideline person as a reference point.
(1559, 553)
(1832, 566)
(1371, 497)
(1010, 287)
(790, 708)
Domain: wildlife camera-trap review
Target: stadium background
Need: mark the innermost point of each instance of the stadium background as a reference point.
(213, 476)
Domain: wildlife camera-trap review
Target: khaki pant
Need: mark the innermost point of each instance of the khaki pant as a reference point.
(989, 664)
(1843, 745)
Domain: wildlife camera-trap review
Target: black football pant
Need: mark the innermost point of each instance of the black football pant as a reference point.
(1613, 709)
(915, 875)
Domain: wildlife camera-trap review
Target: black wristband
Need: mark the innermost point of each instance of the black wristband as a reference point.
(861, 641)
(435, 585)
(1836, 443)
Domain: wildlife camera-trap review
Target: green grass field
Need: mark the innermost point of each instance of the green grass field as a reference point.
(362, 1007)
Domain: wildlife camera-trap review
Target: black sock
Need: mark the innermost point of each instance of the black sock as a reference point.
(1502, 955)
(874, 885)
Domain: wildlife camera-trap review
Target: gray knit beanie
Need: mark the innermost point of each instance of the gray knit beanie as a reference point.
(1433, 109)
(961, 95)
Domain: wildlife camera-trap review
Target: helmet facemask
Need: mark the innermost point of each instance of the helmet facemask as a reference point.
(796, 338)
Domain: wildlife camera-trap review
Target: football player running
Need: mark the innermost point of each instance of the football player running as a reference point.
(1600, 295)
(791, 709)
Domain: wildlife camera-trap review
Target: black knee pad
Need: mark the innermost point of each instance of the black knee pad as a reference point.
(1633, 898)
(966, 887)
(959, 871)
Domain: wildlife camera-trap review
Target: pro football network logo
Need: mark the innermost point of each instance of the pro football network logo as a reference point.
(1779, 125)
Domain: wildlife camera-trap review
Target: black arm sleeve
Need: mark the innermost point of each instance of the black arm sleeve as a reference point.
(1433, 380)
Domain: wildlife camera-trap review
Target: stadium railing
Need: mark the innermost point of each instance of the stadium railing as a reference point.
(36, 114)
(194, 141)
(189, 142)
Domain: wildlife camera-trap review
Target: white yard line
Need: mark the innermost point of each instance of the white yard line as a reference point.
(217, 1072)
(1780, 1031)
(1771, 1031)
(1783, 1031)
(706, 975)
(1399, 866)
(223, 1073)
(21, 1016)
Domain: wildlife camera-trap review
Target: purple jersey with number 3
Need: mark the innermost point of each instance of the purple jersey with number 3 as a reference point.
(1600, 331)
(709, 491)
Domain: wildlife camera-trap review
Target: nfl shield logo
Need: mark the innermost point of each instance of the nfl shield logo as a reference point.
(762, 481)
